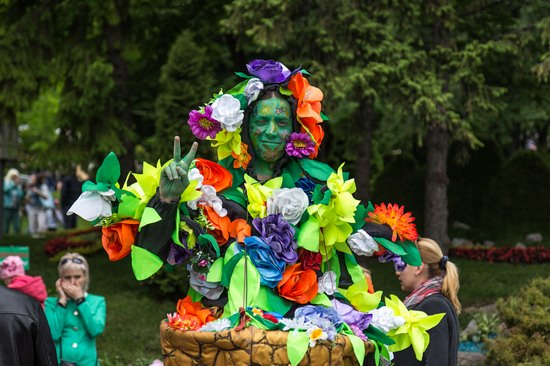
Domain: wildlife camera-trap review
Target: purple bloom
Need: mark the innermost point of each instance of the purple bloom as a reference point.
(398, 263)
(279, 235)
(311, 312)
(202, 124)
(177, 254)
(351, 316)
(358, 332)
(300, 145)
(268, 71)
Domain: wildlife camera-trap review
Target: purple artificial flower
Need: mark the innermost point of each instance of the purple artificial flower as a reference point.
(268, 71)
(300, 145)
(398, 263)
(279, 235)
(177, 254)
(310, 312)
(202, 124)
(358, 332)
(351, 316)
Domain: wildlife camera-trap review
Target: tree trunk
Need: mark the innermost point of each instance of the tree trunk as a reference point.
(365, 120)
(437, 145)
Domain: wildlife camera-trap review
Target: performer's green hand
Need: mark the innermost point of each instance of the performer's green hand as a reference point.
(173, 178)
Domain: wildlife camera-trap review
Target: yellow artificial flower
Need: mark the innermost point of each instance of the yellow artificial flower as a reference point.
(227, 143)
(258, 194)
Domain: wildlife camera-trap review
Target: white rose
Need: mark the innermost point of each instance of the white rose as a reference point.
(209, 198)
(252, 89)
(92, 205)
(291, 203)
(195, 174)
(361, 243)
(227, 110)
(327, 283)
(384, 319)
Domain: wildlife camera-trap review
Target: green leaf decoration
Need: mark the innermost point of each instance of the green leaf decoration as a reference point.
(316, 169)
(370, 208)
(91, 186)
(354, 269)
(358, 348)
(238, 89)
(109, 171)
(150, 216)
(391, 246)
(144, 263)
(243, 75)
(321, 299)
(359, 217)
(243, 288)
(308, 238)
(413, 255)
(305, 72)
(128, 206)
(238, 174)
(216, 271)
(243, 100)
(207, 239)
(228, 268)
(376, 334)
(268, 300)
(324, 117)
(285, 91)
(195, 296)
(234, 194)
(297, 344)
(294, 169)
(320, 197)
(288, 182)
(176, 231)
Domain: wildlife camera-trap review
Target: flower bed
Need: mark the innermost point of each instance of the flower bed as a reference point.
(85, 241)
(537, 254)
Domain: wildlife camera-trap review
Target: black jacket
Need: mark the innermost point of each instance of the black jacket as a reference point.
(25, 338)
(443, 347)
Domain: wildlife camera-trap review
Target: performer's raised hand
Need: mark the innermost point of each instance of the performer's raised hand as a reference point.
(173, 178)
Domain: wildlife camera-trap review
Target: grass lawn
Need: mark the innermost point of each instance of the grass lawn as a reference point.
(134, 313)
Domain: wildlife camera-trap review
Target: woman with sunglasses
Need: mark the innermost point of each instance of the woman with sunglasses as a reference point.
(76, 317)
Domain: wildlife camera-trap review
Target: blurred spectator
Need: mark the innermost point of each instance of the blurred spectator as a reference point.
(13, 194)
(38, 199)
(12, 272)
(71, 188)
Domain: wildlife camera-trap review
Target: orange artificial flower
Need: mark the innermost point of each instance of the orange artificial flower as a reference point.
(117, 239)
(194, 312)
(309, 107)
(394, 216)
(214, 174)
(298, 285)
(221, 225)
(241, 161)
(239, 229)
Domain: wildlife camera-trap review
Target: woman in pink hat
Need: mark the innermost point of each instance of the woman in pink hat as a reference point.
(13, 274)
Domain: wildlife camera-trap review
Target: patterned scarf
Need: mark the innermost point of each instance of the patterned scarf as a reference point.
(426, 288)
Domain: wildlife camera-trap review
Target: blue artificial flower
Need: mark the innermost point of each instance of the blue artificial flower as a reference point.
(268, 265)
(313, 312)
(307, 186)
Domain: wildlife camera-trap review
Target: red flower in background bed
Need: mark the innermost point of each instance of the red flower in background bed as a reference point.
(393, 215)
(538, 254)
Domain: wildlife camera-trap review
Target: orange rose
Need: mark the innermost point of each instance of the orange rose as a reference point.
(118, 238)
(194, 312)
(221, 225)
(298, 285)
(239, 230)
(214, 174)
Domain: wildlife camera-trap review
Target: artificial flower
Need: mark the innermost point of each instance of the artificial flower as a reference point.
(269, 267)
(384, 319)
(316, 334)
(298, 323)
(291, 203)
(178, 322)
(361, 243)
(269, 71)
(388, 256)
(117, 239)
(258, 194)
(227, 110)
(228, 143)
(203, 125)
(239, 229)
(324, 318)
(393, 215)
(216, 325)
(279, 235)
(351, 316)
(298, 285)
(214, 174)
(177, 254)
(242, 159)
(195, 174)
(194, 310)
(210, 290)
(299, 145)
(92, 205)
(327, 283)
(252, 89)
(309, 259)
(358, 332)
(308, 186)
(220, 224)
(209, 198)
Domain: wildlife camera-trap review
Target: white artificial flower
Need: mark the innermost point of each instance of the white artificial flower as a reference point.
(210, 290)
(316, 334)
(296, 323)
(195, 174)
(327, 283)
(216, 325)
(209, 198)
(92, 205)
(252, 89)
(361, 243)
(384, 319)
(227, 110)
(291, 203)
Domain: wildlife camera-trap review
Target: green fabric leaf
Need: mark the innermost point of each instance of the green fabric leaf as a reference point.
(376, 351)
(288, 182)
(413, 255)
(376, 334)
(268, 300)
(370, 208)
(109, 171)
(242, 99)
(244, 285)
(308, 238)
(243, 75)
(128, 206)
(358, 348)
(342, 247)
(316, 169)
(234, 194)
(176, 231)
(359, 217)
(229, 267)
(321, 299)
(144, 263)
(320, 197)
(354, 269)
(324, 117)
(391, 246)
(305, 72)
(238, 89)
(294, 169)
(195, 296)
(208, 239)
(91, 186)
(238, 174)
(297, 344)
(216, 270)
(149, 216)
(284, 91)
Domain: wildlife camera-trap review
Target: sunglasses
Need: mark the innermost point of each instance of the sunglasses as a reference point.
(74, 260)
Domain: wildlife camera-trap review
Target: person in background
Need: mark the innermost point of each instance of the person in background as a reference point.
(433, 288)
(70, 188)
(76, 317)
(25, 337)
(38, 194)
(13, 194)
(12, 272)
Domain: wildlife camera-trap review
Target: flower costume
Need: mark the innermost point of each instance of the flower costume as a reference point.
(261, 246)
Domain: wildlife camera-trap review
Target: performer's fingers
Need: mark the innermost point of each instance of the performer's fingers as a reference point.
(174, 171)
(177, 149)
(188, 159)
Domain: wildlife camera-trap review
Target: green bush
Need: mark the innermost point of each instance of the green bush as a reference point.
(170, 283)
(527, 318)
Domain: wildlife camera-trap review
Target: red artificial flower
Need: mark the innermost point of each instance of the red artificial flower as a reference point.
(298, 285)
(118, 238)
(310, 260)
(214, 174)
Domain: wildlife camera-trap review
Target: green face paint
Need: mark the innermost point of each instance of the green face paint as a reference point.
(270, 125)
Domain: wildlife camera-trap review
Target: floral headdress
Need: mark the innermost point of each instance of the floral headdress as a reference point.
(221, 119)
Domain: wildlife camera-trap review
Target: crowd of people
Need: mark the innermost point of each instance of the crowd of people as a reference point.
(42, 198)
